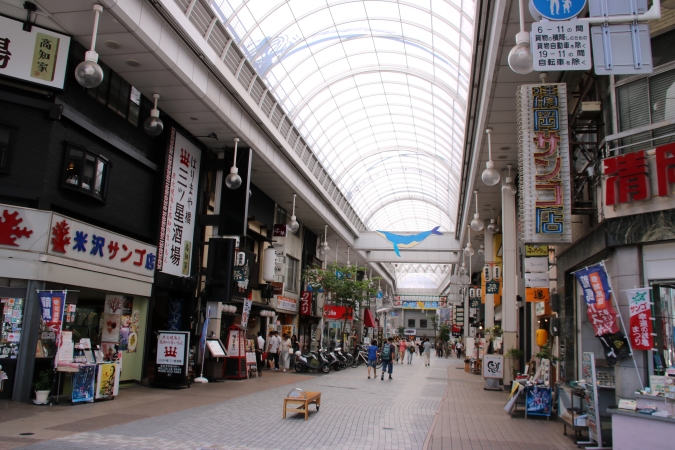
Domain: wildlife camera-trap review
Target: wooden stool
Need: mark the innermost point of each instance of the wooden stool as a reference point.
(304, 402)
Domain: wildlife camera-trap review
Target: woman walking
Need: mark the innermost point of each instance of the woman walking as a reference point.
(402, 347)
(372, 358)
(411, 351)
(286, 348)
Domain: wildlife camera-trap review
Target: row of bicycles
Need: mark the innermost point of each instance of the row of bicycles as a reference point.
(324, 360)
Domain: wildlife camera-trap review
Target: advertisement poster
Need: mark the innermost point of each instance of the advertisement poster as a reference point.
(83, 384)
(171, 348)
(538, 401)
(181, 185)
(111, 328)
(107, 383)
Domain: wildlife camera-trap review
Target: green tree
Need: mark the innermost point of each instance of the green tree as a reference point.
(444, 332)
(401, 330)
(342, 286)
(435, 324)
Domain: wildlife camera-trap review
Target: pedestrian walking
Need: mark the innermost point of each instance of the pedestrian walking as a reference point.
(411, 351)
(273, 352)
(388, 352)
(372, 358)
(402, 347)
(427, 352)
(259, 347)
(458, 349)
(286, 349)
(296, 347)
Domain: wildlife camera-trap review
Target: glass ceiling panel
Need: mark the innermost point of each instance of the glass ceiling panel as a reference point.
(378, 90)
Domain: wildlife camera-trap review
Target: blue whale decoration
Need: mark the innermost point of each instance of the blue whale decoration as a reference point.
(406, 241)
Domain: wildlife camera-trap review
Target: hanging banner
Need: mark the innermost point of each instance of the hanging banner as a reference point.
(246, 312)
(545, 207)
(179, 207)
(52, 306)
(306, 303)
(598, 299)
(640, 329)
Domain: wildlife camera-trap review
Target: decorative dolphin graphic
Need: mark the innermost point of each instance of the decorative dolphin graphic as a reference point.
(406, 241)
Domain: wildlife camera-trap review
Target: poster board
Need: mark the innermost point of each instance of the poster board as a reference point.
(84, 384)
(107, 380)
(538, 401)
(216, 348)
(172, 357)
(592, 407)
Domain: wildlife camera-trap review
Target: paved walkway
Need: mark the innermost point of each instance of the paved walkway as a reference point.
(437, 407)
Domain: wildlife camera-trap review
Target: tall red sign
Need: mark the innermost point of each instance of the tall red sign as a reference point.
(306, 303)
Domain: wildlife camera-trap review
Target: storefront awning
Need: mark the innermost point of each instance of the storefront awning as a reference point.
(368, 319)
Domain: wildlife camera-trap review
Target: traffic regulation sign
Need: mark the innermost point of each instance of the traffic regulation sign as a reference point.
(561, 46)
(559, 9)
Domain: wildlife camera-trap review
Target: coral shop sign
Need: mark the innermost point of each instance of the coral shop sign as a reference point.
(638, 182)
(46, 232)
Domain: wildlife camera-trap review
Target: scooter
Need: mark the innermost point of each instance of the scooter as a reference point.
(333, 360)
(311, 361)
(343, 359)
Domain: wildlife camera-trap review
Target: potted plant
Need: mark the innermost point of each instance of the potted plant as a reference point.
(43, 387)
(514, 355)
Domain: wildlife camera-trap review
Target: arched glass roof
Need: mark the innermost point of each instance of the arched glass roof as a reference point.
(416, 277)
(378, 90)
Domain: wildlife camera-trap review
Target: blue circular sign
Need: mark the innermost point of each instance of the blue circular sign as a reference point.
(559, 9)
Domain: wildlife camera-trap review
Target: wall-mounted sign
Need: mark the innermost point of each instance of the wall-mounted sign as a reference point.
(537, 264)
(179, 208)
(536, 250)
(306, 303)
(545, 206)
(537, 295)
(79, 241)
(638, 182)
(559, 9)
(279, 230)
(537, 280)
(279, 249)
(24, 229)
(278, 288)
(492, 287)
(423, 304)
(561, 45)
(334, 312)
(39, 56)
(287, 303)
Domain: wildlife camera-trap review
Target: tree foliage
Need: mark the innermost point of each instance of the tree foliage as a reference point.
(343, 286)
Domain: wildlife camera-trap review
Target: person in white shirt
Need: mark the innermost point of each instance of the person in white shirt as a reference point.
(286, 349)
(275, 343)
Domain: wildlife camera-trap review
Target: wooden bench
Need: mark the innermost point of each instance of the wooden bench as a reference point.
(304, 402)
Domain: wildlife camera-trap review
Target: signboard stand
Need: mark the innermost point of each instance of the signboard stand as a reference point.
(593, 407)
(235, 363)
(493, 371)
(172, 359)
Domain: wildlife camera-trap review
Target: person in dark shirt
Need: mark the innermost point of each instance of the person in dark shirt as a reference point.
(387, 358)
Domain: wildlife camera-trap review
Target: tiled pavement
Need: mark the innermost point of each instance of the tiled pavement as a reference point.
(437, 407)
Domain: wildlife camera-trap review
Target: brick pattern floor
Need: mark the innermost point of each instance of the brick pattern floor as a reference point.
(437, 407)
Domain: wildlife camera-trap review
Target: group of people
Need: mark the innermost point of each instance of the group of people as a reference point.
(280, 350)
(445, 349)
(393, 351)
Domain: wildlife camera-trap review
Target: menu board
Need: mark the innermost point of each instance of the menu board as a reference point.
(10, 330)
(588, 374)
(215, 348)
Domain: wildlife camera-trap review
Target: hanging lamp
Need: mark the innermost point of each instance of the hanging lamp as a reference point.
(490, 175)
(520, 57)
(88, 73)
(153, 125)
(493, 227)
(233, 180)
(509, 185)
(294, 226)
(468, 250)
(476, 223)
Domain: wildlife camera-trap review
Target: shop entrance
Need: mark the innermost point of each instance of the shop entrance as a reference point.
(663, 294)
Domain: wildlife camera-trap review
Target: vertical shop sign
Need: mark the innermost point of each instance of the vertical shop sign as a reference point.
(171, 352)
(179, 206)
(598, 299)
(545, 206)
(246, 312)
(51, 307)
(38, 56)
(306, 303)
(640, 333)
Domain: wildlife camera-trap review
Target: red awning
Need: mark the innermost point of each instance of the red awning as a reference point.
(368, 319)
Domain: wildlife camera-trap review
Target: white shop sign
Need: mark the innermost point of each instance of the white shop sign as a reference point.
(72, 239)
(287, 303)
(26, 229)
(179, 208)
(536, 280)
(39, 56)
(493, 366)
(536, 264)
(171, 348)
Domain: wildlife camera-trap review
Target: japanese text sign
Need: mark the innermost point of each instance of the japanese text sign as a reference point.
(171, 348)
(38, 56)
(52, 305)
(179, 207)
(640, 333)
(596, 293)
(545, 205)
(287, 303)
(638, 182)
(537, 294)
(306, 303)
(79, 241)
(561, 46)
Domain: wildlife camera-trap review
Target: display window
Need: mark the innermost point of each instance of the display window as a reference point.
(10, 333)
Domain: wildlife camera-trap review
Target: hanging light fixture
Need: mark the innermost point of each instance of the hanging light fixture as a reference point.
(294, 225)
(481, 250)
(153, 125)
(468, 250)
(233, 180)
(324, 248)
(490, 175)
(476, 223)
(509, 185)
(520, 56)
(88, 73)
(493, 228)
(348, 262)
